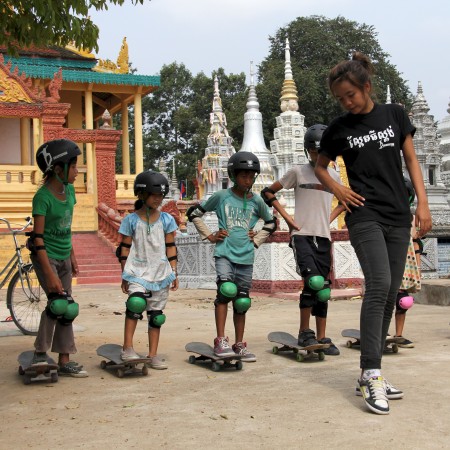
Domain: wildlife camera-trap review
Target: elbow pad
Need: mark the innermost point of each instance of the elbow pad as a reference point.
(268, 201)
(194, 212)
(270, 225)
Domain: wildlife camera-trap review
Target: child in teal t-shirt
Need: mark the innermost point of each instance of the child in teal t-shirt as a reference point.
(238, 210)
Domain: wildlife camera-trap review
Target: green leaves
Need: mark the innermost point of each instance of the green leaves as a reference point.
(317, 44)
(51, 22)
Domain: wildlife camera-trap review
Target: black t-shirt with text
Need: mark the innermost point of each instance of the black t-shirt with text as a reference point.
(370, 146)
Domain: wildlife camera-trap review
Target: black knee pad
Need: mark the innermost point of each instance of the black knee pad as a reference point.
(242, 302)
(307, 299)
(226, 291)
(156, 319)
(320, 309)
(136, 305)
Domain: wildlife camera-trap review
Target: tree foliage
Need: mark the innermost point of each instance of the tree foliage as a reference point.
(51, 22)
(316, 45)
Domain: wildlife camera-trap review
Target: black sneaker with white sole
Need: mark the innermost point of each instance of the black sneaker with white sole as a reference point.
(392, 393)
(373, 392)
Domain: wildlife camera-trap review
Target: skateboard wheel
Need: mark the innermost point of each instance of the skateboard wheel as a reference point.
(299, 357)
(349, 344)
(26, 379)
(394, 348)
(239, 365)
(21, 371)
(275, 349)
(215, 366)
(145, 370)
(321, 356)
(192, 359)
(54, 377)
(103, 364)
(120, 373)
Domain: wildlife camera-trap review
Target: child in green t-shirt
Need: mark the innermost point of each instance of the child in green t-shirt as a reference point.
(52, 253)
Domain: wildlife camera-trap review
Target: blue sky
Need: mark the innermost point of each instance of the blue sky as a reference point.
(208, 34)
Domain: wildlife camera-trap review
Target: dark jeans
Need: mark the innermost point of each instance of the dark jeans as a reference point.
(381, 251)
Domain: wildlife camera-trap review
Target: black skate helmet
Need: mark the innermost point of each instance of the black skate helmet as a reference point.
(411, 191)
(243, 161)
(151, 182)
(58, 151)
(312, 139)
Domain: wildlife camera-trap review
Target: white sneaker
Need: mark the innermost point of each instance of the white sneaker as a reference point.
(157, 363)
(222, 347)
(240, 348)
(374, 393)
(128, 353)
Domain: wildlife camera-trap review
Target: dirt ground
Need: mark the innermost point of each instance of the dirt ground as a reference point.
(276, 402)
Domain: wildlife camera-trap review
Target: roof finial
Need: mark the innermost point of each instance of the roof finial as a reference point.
(388, 94)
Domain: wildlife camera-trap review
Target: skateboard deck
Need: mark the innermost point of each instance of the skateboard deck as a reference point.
(122, 368)
(290, 344)
(206, 353)
(391, 343)
(46, 371)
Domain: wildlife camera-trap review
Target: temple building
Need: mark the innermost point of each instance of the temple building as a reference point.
(63, 93)
(212, 171)
(426, 143)
(51, 93)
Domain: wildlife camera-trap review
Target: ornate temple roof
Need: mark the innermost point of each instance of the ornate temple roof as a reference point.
(77, 66)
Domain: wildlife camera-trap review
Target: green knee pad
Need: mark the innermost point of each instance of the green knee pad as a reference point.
(72, 311)
(59, 306)
(323, 295)
(156, 319)
(136, 304)
(316, 282)
(242, 304)
(228, 289)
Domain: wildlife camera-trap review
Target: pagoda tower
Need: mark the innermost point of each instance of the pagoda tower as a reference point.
(213, 171)
(426, 144)
(254, 139)
(444, 148)
(287, 146)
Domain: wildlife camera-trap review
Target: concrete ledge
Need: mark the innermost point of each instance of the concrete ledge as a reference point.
(434, 292)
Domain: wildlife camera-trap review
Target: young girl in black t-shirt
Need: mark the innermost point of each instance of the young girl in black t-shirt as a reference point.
(370, 138)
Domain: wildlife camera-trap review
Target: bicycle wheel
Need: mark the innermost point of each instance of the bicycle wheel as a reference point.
(26, 300)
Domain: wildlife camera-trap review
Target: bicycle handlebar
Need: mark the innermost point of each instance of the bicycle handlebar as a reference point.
(17, 230)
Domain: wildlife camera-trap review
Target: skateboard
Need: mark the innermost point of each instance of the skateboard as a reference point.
(206, 353)
(391, 343)
(122, 368)
(290, 344)
(45, 371)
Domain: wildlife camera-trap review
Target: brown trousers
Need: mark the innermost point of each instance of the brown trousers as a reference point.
(51, 333)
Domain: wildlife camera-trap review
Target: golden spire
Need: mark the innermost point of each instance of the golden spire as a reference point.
(289, 98)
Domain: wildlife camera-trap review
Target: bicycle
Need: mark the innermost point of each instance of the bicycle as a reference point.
(25, 298)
